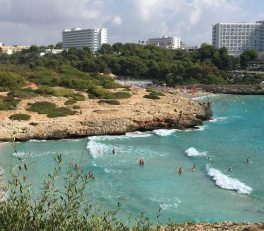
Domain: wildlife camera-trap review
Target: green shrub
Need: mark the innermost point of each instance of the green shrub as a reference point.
(70, 102)
(111, 102)
(10, 81)
(121, 95)
(59, 92)
(76, 107)
(78, 97)
(60, 112)
(20, 117)
(154, 91)
(8, 103)
(43, 107)
(50, 109)
(61, 208)
(26, 93)
(100, 93)
(151, 96)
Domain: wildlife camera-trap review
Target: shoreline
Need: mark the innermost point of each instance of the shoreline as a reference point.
(172, 111)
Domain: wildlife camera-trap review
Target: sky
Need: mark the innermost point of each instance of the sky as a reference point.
(41, 22)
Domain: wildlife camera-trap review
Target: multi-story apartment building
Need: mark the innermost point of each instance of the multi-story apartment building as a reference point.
(237, 37)
(166, 42)
(11, 49)
(79, 38)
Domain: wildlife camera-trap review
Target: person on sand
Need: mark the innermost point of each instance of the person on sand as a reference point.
(141, 162)
(194, 168)
(180, 170)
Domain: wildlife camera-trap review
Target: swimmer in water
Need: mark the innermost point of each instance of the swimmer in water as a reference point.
(230, 169)
(248, 160)
(141, 162)
(194, 168)
(113, 152)
(90, 175)
(180, 170)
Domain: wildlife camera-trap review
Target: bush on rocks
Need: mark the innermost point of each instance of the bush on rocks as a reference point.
(20, 117)
(8, 103)
(111, 102)
(50, 109)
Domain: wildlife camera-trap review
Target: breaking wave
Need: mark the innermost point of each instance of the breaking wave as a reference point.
(194, 152)
(164, 132)
(226, 182)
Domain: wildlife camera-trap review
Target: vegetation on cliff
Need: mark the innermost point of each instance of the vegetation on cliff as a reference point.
(206, 65)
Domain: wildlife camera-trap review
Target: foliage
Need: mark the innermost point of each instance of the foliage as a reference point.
(50, 109)
(8, 103)
(58, 208)
(111, 102)
(76, 107)
(152, 95)
(20, 117)
(70, 102)
(101, 93)
(79, 69)
(247, 56)
(10, 81)
(24, 93)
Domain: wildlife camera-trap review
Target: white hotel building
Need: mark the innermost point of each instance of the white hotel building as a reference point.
(80, 38)
(166, 42)
(237, 37)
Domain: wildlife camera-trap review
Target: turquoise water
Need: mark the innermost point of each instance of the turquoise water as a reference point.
(211, 193)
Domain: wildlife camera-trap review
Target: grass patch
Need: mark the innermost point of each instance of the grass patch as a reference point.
(152, 96)
(154, 91)
(101, 93)
(25, 93)
(111, 101)
(8, 103)
(70, 102)
(50, 109)
(20, 117)
(10, 81)
(78, 97)
(75, 107)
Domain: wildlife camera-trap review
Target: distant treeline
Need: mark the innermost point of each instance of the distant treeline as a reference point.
(206, 65)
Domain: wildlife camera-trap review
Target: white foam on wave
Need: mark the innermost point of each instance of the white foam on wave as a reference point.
(226, 182)
(96, 148)
(217, 119)
(164, 132)
(20, 154)
(167, 203)
(107, 170)
(138, 134)
(38, 141)
(194, 152)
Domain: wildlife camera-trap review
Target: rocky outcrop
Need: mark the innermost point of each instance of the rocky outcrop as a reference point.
(135, 114)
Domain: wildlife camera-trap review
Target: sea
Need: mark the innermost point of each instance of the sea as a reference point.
(227, 153)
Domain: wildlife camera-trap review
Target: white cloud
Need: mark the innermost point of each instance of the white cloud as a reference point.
(127, 20)
(117, 21)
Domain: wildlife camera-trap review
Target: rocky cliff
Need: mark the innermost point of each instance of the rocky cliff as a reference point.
(135, 114)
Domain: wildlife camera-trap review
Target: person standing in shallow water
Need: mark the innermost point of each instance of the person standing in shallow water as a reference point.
(194, 168)
(113, 151)
(180, 171)
(141, 162)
